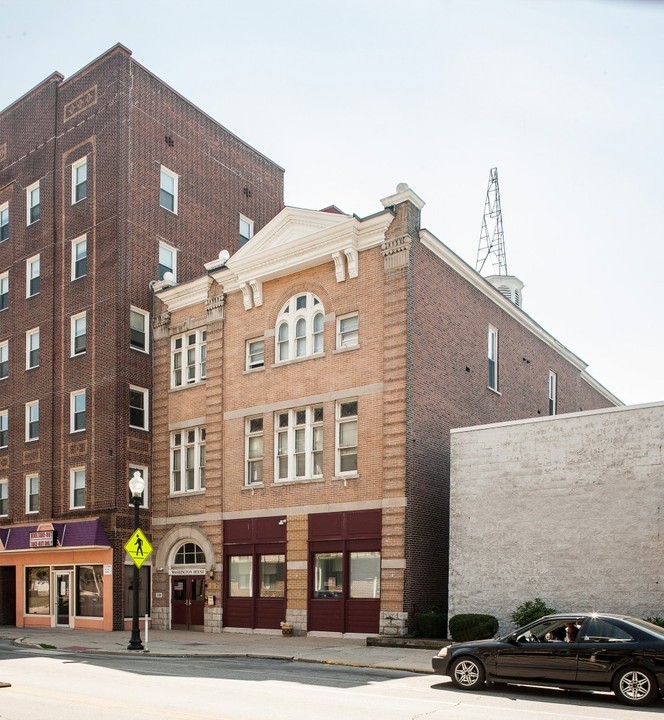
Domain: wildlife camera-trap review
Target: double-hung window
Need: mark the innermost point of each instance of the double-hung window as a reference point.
(189, 358)
(139, 322)
(168, 190)
(553, 393)
(246, 229)
(78, 334)
(32, 493)
(348, 331)
(299, 330)
(492, 354)
(32, 349)
(167, 261)
(32, 276)
(79, 257)
(79, 180)
(4, 428)
(4, 221)
(77, 421)
(32, 420)
(299, 443)
(346, 449)
(4, 498)
(138, 407)
(188, 460)
(33, 205)
(254, 450)
(255, 354)
(4, 359)
(77, 488)
(4, 290)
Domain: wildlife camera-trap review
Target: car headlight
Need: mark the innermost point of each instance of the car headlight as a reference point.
(443, 652)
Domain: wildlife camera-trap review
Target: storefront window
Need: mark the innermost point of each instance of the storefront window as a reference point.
(240, 576)
(365, 575)
(38, 591)
(143, 590)
(328, 575)
(90, 595)
(272, 574)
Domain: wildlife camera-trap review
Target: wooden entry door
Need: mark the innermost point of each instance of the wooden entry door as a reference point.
(188, 602)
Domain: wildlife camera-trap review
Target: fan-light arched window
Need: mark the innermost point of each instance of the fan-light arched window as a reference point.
(189, 554)
(300, 328)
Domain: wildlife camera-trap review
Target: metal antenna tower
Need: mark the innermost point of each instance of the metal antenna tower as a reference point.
(492, 240)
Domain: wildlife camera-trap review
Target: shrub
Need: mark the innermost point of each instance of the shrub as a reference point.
(655, 620)
(473, 626)
(530, 611)
(431, 623)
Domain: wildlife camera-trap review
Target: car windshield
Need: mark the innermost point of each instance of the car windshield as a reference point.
(648, 627)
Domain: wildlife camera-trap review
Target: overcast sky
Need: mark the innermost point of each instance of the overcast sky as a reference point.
(351, 97)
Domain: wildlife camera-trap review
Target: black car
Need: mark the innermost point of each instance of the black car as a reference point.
(580, 651)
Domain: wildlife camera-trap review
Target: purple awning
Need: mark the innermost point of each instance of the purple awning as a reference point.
(85, 533)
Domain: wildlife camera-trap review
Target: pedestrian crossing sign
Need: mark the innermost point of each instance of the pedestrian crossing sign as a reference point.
(138, 548)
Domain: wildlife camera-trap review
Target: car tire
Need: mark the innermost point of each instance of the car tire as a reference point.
(467, 673)
(635, 686)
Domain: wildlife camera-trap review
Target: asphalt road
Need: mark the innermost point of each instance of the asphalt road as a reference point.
(51, 684)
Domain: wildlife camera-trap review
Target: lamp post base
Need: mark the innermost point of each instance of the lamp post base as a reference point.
(135, 643)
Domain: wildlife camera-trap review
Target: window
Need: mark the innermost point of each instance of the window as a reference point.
(138, 407)
(189, 554)
(347, 331)
(246, 229)
(553, 392)
(4, 428)
(77, 488)
(4, 290)
(143, 471)
(300, 328)
(32, 276)
(32, 349)
(168, 190)
(4, 498)
(32, 493)
(328, 575)
(189, 358)
(4, 359)
(240, 582)
(254, 450)
(37, 591)
(77, 421)
(79, 257)
(492, 352)
(4, 222)
(78, 334)
(79, 180)
(90, 590)
(139, 322)
(32, 203)
(255, 354)
(299, 443)
(188, 460)
(167, 260)
(364, 572)
(272, 576)
(346, 450)
(32, 420)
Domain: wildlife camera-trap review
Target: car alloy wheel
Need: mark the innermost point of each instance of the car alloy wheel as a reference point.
(467, 674)
(635, 686)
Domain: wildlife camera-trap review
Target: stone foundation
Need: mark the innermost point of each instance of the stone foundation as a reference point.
(393, 624)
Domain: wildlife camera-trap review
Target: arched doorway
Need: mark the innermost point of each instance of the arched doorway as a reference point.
(188, 588)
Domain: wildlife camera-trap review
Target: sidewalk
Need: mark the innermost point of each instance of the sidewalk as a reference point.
(330, 650)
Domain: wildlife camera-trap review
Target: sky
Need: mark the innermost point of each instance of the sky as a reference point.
(565, 99)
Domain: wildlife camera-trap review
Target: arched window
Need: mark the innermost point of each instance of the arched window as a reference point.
(300, 328)
(189, 554)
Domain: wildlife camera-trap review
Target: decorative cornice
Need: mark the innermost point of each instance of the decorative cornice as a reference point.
(214, 307)
(161, 325)
(396, 252)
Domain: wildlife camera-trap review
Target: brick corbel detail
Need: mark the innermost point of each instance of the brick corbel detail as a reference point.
(396, 252)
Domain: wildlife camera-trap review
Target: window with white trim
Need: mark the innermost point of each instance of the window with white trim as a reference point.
(348, 331)
(77, 488)
(79, 257)
(32, 348)
(143, 471)
(553, 393)
(299, 443)
(167, 261)
(4, 290)
(32, 276)
(168, 190)
(32, 493)
(79, 180)
(138, 407)
(188, 460)
(299, 328)
(4, 221)
(492, 355)
(4, 497)
(189, 358)
(77, 405)
(79, 340)
(4, 359)
(139, 323)
(246, 230)
(32, 203)
(32, 420)
(254, 450)
(347, 440)
(4, 428)
(255, 354)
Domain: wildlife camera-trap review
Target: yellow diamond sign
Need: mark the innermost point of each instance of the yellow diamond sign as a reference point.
(138, 548)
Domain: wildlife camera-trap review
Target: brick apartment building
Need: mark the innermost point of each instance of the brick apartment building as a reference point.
(109, 180)
(304, 392)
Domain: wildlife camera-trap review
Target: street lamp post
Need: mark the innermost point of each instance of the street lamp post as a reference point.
(136, 486)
